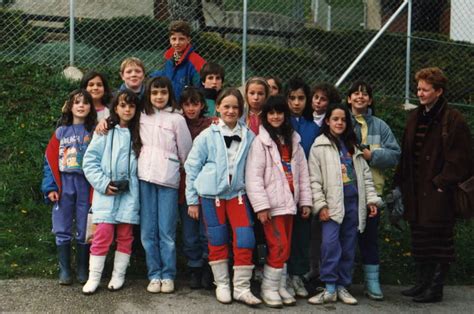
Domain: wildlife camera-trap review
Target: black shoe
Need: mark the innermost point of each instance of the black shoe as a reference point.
(435, 291)
(424, 274)
(195, 277)
(82, 262)
(207, 279)
(64, 258)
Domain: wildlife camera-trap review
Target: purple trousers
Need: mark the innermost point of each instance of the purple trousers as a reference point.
(72, 207)
(338, 246)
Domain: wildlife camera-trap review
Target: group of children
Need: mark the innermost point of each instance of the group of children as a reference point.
(294, 170)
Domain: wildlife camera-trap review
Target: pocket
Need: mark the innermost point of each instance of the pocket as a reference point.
(206, 180)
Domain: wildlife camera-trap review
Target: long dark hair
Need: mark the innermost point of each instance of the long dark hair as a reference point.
(363, 86)
(293, 85)
(279, 104)
(67, 118)
(159, 82)
(93, 74)
(129, 97)
(193, 95)
(348, 137)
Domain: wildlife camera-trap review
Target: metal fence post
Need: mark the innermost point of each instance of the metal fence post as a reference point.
(244, 42)
(371, 43)
(408, 54)
(71, 32)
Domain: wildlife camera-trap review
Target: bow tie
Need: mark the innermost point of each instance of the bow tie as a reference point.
(228, 139)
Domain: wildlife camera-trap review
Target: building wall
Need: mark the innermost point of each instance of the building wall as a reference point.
(103, 9)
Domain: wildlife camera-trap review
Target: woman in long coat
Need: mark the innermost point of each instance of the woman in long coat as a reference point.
(429, 168)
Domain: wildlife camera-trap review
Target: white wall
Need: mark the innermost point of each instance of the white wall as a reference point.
(462, 20)
(87, 8)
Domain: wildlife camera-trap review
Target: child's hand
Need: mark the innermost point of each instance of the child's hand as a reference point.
(372, 210)
(324, 214)
(53, 196)
(111, 190)
(101, 127)
(367, 154)
(193, 211)
(305, 212)
(264, 216)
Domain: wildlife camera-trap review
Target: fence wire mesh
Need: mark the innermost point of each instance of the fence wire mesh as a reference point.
(314, 39)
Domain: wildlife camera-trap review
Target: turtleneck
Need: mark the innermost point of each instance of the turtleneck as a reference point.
(196, 126)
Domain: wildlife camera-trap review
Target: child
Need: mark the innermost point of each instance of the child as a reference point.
(64, 183)
(215, 175)
(166, 142)
(96, 84)
(323, 95)
(182, 64)
(299, 100)
(194, 232)
(277, 182)
(256, 92)
(339, 174)
(381, 151)
(212, 77)
(132, 72)
(111, 159)
(275, 85)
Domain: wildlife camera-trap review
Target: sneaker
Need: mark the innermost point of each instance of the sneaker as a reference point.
(323, 298)
(195, 277)
(289, 286)
(345, 296)
(167, 286)
(154, 286)
(299, 287)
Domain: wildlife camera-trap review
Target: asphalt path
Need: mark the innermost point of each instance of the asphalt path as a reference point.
(46, 295)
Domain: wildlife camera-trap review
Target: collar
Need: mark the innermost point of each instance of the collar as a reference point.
(167, 109)
(170, 53)
(236, 130)
(268, 141)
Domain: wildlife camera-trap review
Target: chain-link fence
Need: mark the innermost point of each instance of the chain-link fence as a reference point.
(315, 39)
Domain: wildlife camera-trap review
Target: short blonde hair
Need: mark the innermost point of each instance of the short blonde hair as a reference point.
(131, 61)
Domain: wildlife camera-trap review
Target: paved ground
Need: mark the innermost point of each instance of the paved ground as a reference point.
(42, 295)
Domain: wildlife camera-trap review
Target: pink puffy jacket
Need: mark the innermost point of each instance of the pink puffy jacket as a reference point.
(265, 179)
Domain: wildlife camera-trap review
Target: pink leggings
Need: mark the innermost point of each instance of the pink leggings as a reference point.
(104, 235)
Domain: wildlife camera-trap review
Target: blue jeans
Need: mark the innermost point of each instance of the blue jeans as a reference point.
(158, 219)
(194, 237)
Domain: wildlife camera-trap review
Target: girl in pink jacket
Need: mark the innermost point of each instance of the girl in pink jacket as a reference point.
(277, 184)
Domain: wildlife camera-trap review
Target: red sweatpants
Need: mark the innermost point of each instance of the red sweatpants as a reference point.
(278, 236)
(104, 235)
(240, 219)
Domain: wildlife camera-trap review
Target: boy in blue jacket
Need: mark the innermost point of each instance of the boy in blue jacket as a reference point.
(182, 64)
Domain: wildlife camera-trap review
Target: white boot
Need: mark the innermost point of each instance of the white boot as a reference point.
(286, 297)
(270, 286)
(96, 265)
(220, 270)
(242, 293)
(120, 268)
